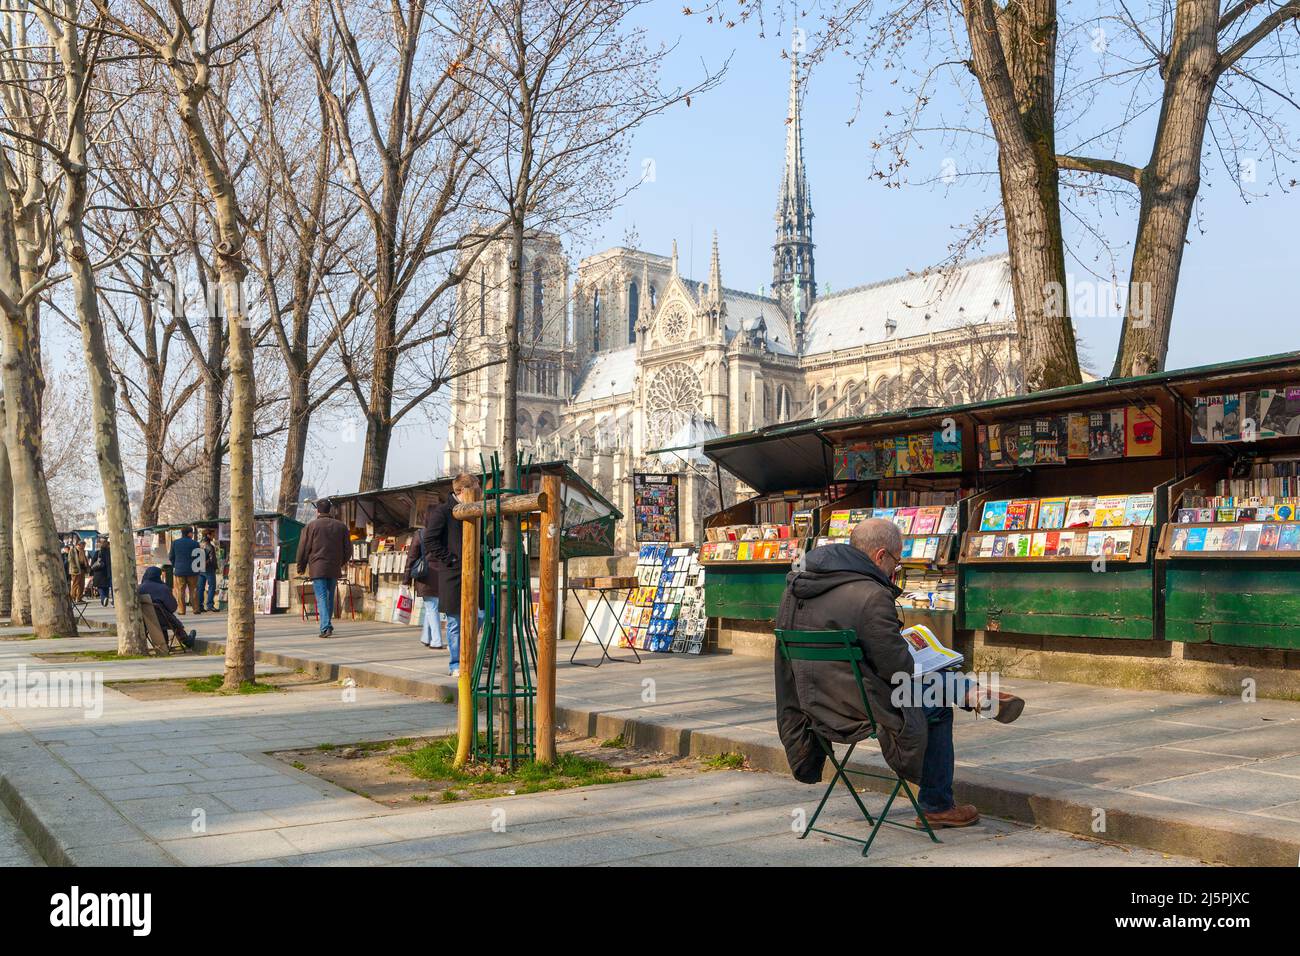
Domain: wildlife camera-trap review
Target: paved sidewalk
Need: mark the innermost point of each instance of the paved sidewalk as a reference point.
(1180, 773)
(187, 781)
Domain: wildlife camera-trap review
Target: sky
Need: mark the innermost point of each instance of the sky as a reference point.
(717, 163)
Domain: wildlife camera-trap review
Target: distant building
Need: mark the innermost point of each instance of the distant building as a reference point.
(649, 359)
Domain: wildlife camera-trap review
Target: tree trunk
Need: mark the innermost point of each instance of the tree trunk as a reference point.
(213, 409)
(1168, 189)
(295, 443)
(243, 397)
(21, 612)
(6, 532)
(1013, 56)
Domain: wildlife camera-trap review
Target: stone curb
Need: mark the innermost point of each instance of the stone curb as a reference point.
(1203, 833)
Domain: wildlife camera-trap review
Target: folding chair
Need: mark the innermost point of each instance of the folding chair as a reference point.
(842, 647)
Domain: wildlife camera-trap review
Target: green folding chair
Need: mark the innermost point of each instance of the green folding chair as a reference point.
(842, 646)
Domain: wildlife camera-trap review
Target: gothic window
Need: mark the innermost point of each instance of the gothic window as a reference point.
(856, 393)
(545, 424)
(523, 426)
(673, 398)
(673, 326)
(633, 307)
(783, 403)
(595, 320)
(537, 300)
(885, 395)
(767, 403)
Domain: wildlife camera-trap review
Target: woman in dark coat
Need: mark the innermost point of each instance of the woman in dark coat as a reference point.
(426, 586)
(101, 569)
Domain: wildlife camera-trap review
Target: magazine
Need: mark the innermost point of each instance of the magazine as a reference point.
(928, 654)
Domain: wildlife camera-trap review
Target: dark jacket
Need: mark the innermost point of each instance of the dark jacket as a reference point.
(841, 588)
(324, 548)
(182, 554)
(152, 585)
(442, 542)
(427, 586)
(102, 568)
(208, 551)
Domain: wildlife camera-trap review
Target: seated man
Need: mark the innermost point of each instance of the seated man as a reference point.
(164, 605)
(850, 586)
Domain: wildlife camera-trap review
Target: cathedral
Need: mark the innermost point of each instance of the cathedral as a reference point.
(627, 368)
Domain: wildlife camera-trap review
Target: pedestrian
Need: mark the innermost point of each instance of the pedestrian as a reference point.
(183, 556)
(101, 569)
(426, 582)
(442, 541)
(78, 565)
(209, 562)
(322, 553)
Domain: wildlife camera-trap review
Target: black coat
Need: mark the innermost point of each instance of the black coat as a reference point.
(102, 568)
(442, 545)
(841, 588)
(426, 586)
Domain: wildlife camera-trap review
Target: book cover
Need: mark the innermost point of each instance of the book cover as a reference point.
(886, 458)
(1179, 541)
(1096, 539)
(1289, 538)
(999, 545)
(857, 516)
(1142, 433)
(1270, 536)
(1079, 513)
(1282, 414)
(1038, 544)
(926, 520)
(1101, 438)
(904, 517)
(1250, 537)
(1024, 443)
(1139, 509)
(1225, 513)
(995, 516)
(902, 461)
(1283, 512)
(1230, 540)
(1195, 539)
(1022, 544)
(1250, 417)
(1110, 511)
(1201, 420)
(1065, 544)
(909, 544)
(947, 454)
(1017, 518)
(1187, 515)
(840, 526)
(1232, 417)
(948, 523)
(1123, 544)
(1077, 440)
(1052, 544)
(1214, 539)
(1051, 512)
(1214, 418)
(931, 548)
(1051, 443)
(986, 545)
(920, 453)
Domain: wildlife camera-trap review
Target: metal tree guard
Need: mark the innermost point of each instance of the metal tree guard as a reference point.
(506, 665)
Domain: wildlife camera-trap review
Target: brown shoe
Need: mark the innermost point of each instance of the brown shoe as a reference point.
(1009, 708)
(961, 815)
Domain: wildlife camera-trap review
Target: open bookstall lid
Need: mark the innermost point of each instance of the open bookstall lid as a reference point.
(790, 457)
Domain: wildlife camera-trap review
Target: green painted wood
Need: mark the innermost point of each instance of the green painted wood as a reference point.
(1237, 602)
(751, 594)
(1076, 602)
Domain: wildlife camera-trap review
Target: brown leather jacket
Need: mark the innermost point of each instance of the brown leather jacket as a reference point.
(324, 548)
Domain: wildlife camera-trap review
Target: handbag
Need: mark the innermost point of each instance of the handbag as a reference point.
(419, 568)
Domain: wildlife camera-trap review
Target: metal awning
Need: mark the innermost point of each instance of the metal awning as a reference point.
(784, 458)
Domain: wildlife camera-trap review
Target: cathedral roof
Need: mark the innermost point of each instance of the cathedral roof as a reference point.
(744, 312)
(607, 374)
(936, 301)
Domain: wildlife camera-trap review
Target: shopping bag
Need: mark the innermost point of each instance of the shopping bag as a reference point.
(402, 606)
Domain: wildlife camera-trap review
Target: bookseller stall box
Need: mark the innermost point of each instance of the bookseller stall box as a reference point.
(1062, 545)
(1231, 551)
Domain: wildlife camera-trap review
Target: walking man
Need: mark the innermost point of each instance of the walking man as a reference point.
(183, 554)
(78, 565)
(322, 553)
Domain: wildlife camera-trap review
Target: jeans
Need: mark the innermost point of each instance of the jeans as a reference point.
(208, 590)
(935, 794)
(324, 588)
(431, 633)
(452, 631)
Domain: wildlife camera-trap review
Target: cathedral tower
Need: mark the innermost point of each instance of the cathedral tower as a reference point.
(792, 262)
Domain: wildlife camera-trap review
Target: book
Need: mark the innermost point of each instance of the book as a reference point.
(1079, 513)
(1077, 430)
(1289, 538)
(1231, 539)
(1106, 434)
(1022, 542)
(926, 520)
(1065, 544)
(920, 452)
(1051, 441)
(1195, 539)
(1250, 537)
(1051, 512)
(1214, 539)
(1110, 511)
(1024, 432)
(999, 545)
(903, 517)
(1214, 418)
(928, 654)
(839, 526)
(948, 522)
(1095, 541)
(902, 463)
(995, 516)
(1232, 417)
(1123, 544)
(1142, 433)
(1038, 544)
(1270, 536)
(1052, 544)
(1139, 509)
(947, 454)
(1201, 420)
(1017, 518)
(1179, 541)
(908, 547)
(985, 547)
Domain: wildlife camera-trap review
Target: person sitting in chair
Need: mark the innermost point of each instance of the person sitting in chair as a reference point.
(164, 606)
(850, 586)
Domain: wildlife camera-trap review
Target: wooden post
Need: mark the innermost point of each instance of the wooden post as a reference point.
(548, 569)
(467, 723)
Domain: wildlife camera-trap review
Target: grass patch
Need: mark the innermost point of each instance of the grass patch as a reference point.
(731, 760)
(434, 762)
(618, 742)
(98, 656)
(212, 685)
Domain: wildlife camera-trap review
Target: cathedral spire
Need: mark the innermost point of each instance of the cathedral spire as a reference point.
(674, 257)
(715, 273)
(793, 249)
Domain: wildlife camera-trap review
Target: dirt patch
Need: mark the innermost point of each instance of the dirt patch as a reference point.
(171, 688)
(408, 771)
(84, 657)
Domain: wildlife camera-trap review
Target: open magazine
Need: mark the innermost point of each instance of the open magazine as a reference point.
(928, 655)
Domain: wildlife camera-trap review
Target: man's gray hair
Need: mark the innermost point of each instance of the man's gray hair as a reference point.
(871, 535)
